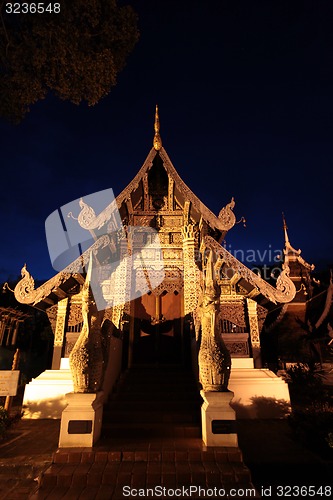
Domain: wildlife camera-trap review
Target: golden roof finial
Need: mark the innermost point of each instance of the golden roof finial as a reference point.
(157, 138)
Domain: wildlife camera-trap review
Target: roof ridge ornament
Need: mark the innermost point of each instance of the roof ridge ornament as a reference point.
(157, 138)
(285, 227)
(290, 253)
(287, 244)
(285, 290)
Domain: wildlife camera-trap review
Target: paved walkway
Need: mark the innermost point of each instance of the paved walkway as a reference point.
(268, 449)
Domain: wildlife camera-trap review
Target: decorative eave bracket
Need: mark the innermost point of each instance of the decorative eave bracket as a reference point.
(285, 289)
(25, 291)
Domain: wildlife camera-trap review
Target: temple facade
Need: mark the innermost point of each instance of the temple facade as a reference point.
(151, 271)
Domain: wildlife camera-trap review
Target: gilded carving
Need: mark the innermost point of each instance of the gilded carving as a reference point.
(226, 215)
(214, 357)
(25, 291)
(191, 272)
(285, 289)
(262, 313)
(60, 322)
(174, 222)
(238, 349)
(253, 322)
(233, 312)
(172, 280)
(170, 193)
(87, 216)
(171, 253)
(86, 358)
(223, 224)
(75, 313)
(143, 220)
(52, 316)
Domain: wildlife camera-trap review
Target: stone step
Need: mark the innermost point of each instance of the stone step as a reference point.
(152, 402)
(104, 473)
(118, 415)
(163, 406)
(155, 382)
(146, 431)
(154, 396)
(155, 376)
(220, 454)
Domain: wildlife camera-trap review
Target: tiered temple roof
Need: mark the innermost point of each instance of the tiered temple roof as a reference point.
(136, 207)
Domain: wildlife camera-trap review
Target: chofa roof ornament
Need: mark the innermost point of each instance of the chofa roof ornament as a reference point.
(157, 138)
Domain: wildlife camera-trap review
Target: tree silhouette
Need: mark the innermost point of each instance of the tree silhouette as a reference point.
(76, 53)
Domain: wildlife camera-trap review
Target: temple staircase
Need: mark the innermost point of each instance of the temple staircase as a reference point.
(151, 438)
(154, 401)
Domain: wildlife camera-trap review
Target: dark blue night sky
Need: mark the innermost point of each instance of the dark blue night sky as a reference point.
(245, 92)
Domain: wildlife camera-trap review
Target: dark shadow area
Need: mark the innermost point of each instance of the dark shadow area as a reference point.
(275, 457)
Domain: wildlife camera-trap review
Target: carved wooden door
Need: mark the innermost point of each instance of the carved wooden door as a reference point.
(157, 329)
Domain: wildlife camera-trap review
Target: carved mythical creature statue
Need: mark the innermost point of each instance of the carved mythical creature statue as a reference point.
(214, 357)
(86, 359)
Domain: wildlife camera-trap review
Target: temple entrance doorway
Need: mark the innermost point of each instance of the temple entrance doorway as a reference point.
(156, 331)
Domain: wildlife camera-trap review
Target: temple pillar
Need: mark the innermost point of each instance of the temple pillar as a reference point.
(190, 269)
(122, 281)
(59, 333)
(254, 332)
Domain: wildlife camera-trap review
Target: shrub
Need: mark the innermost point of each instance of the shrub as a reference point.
(305, 374)
(312, 425)
(4, 421)
(329, 439)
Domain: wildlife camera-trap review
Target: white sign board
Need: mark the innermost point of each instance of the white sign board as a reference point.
(9, 382)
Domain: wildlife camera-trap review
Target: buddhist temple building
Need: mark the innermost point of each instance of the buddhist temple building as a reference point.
(149, 252)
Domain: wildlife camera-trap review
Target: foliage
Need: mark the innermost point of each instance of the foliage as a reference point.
(312, 407)
(7, 420)
(4, 421)
(329, 439)
(313, 426)
(305, 375)
(77, 54)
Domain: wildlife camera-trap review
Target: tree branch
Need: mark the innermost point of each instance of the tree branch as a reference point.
(4, 28)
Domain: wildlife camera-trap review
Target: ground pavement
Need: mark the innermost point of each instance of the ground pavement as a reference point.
(269, 450)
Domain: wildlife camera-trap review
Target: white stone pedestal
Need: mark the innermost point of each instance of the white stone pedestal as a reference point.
(218, 419)
(44, 396)
(81, 420)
